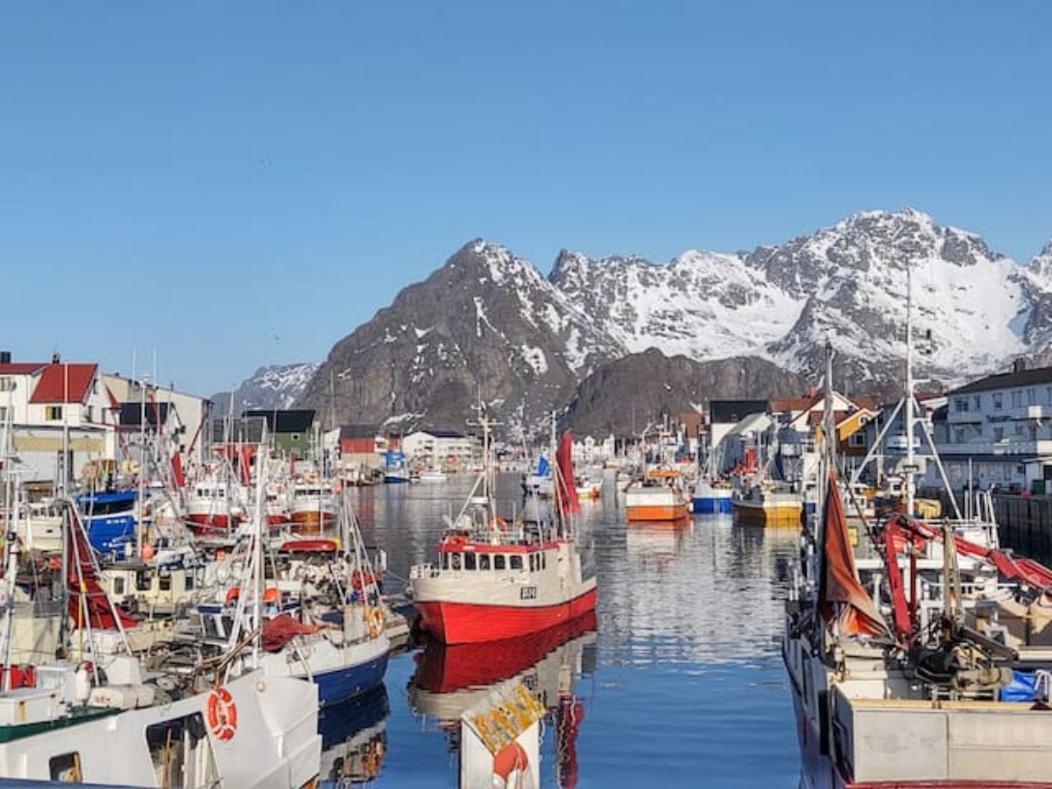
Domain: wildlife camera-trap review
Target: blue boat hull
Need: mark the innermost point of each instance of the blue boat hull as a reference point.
(709, 505)
(342, 684)
(110, 533)
(395, 480)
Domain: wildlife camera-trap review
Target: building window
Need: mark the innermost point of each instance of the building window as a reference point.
(91, 414)
(3, 413)
(961, 404)
(53, 413)
(958, 435)
(1031, 397)
(1017, 399)
(999, 433)
(998, 400)
(7, 384)
(857, 439)
(977, 402)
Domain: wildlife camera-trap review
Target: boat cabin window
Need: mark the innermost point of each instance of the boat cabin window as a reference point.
(533, 562)
(445, 561)
(483, 561)
(166, 583)
(469, 561)
(143, 580)
(65, 768)
(515, 561)
(498, 561)
(455, 561)
(188, 582)
(544, 561)
(172, 743)
(118, 586)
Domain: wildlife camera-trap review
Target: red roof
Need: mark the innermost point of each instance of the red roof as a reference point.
(64, 383)
(22, 368)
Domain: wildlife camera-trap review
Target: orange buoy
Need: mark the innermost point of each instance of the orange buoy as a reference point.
(271, 595)
(233, 594)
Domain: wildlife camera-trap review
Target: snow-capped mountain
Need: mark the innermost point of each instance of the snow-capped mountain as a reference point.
(846, 283)
(489, 322)
(276, 386)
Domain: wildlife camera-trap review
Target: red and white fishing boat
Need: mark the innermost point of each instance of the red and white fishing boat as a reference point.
(214, 506)
(498, 580)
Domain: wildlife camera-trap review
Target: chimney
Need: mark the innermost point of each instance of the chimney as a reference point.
(1019, 365)
(5, 357)
(55, 358)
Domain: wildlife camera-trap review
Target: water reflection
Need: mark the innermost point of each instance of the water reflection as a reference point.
(683, 670)
(354, 740)
(450, 679)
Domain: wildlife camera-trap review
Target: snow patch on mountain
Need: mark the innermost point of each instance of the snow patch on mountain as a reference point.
(275, 386)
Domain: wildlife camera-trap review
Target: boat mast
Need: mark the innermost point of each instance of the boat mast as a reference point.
(142, 468)
(911, 463)
(10, 542)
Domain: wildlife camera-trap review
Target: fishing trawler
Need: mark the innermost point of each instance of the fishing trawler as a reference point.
(657, 496)
(712, 498)
(496, 579)
(313, 507)
(214, 507)
(768, 504)
(918, 652)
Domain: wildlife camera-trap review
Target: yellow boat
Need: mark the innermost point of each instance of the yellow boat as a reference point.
(764, 505)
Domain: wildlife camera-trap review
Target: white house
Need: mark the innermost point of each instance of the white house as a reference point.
(999, 430)
(57, 416)
(441, 446)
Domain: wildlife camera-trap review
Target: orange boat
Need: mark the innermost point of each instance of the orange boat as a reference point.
(658, 496)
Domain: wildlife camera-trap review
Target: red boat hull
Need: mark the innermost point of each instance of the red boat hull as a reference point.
(467, 623)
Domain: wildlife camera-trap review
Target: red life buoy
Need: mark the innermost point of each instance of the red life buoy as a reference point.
(510, 760)
(222, 714)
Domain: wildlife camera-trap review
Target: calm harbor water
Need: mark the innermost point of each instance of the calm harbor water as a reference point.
(680, 683)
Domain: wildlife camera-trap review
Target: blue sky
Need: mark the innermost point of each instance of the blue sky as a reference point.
(232, 184)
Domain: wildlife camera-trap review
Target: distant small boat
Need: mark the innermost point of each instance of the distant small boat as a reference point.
(657, 497)
(432, 475)
(395, 470)
(589, 488)
(769, 506)
(712, 499)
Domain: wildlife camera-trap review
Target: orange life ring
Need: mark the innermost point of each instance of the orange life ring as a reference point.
(222, 714)
(499, 523)
(374, 618)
